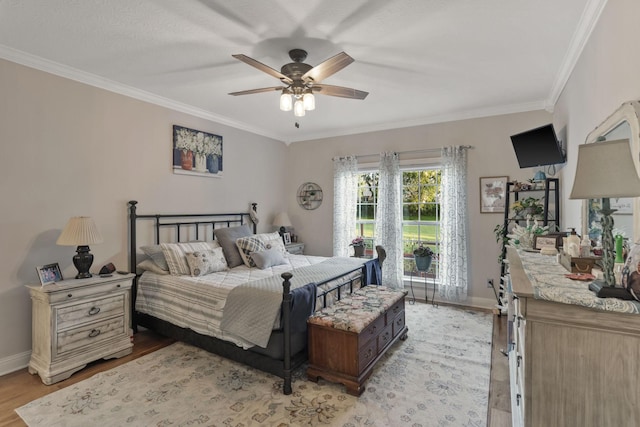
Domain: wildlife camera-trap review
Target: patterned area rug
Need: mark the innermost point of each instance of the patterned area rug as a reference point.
(439, 376)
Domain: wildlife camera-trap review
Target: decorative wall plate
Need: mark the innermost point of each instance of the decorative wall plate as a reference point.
(309, 196)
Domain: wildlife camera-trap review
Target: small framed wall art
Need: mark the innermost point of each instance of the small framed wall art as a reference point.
(493, 190)
(49, 274)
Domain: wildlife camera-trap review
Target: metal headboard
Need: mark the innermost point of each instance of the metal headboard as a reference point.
(179, 222)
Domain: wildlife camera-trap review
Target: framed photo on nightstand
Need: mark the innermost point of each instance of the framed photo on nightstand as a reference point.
(287, 238)
(49, 274)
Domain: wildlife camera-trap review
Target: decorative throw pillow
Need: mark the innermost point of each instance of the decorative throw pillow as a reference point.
(175, 254)
(149, 265)
(268, 258)
(206, 262)
(247, 246)
(631, 272)
(227, 239)
(259, 242)
(155, 253)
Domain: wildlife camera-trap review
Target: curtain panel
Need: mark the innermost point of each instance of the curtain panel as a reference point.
(345, 199)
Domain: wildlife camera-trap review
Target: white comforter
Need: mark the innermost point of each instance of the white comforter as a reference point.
(197, 303)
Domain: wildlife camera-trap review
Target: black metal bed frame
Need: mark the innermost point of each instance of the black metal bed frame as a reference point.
(282, 368)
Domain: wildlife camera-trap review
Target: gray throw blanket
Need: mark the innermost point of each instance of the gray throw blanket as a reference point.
(251, 309)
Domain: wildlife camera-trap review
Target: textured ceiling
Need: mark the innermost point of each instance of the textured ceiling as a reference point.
(422, 61)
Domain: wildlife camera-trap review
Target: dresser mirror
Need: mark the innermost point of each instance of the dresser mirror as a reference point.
(622, 124)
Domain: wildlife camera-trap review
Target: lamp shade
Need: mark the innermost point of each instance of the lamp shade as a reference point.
(605, 170)
(79, 231)
(282, 220)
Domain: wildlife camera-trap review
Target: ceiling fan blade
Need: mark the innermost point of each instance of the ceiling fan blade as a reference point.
(327, 68)
(252, 91)
(343, 92)
(264, 68)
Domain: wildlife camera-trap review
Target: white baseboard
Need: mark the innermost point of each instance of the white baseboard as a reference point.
(14, 363)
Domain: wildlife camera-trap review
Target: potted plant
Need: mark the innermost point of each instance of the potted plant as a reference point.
(423, 255)
(358, 246)
(529, 206)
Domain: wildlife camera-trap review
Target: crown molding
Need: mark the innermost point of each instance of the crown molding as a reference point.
(590, 16)
(442, 118)
(94, 80)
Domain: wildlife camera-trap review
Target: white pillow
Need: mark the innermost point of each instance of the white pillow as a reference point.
(175, 254)
(206, 262)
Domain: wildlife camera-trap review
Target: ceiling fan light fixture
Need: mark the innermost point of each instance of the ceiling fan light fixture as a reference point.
(298, 108)
(286, 103)
(309, 101)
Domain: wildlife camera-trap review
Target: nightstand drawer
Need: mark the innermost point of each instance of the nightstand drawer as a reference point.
(295, 248)
(89, 335)
(90, 311)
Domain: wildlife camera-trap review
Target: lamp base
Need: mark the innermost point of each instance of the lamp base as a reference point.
(603, 291)
(83, 260)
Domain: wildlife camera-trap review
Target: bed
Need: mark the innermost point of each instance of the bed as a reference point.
(253, 312)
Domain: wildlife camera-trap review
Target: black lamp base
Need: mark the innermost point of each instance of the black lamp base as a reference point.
(603, 291)
(83, 260)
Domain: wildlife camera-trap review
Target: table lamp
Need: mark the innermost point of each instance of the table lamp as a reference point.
(606, 170)
(80, 231)
(282, 220)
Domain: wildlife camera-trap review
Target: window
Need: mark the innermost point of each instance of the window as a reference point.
(421, 212)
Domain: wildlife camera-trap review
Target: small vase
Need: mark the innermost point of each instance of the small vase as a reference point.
(201, 162)
(358, 251)
(187, 160)
(212, 164)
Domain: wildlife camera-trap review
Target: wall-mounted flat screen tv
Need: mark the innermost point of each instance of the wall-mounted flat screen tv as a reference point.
(537, 147)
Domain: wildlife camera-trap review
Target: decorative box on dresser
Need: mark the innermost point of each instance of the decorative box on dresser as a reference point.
(77, 321)
(575, 361)
(295, 248)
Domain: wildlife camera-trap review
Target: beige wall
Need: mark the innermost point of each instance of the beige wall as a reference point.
(605, 77)
(69, 149)
(492, 156)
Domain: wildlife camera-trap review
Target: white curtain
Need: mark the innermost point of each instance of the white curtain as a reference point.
(454, 276)
(345, 199)
(389, 219)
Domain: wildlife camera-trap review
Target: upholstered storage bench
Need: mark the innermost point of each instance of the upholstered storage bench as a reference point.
(347, 339)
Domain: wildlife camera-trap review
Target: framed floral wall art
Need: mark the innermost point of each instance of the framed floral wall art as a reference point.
(196, 153)
(493, 190)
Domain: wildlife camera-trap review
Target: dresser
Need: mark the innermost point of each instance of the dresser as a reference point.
(574, 359)
(77, 321)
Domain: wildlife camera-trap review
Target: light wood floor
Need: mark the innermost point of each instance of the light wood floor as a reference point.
(20, 387)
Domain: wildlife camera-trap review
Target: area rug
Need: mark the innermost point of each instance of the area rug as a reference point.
(439, 376)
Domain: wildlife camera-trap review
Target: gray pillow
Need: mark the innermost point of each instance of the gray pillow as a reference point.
(268, 258)
(157, 256)
(227, 239)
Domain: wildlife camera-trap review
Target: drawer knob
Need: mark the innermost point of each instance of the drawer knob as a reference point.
(373, 330)
(385, 337)
(94, 310)
(518, 399)
(69, 295)
(118, 285)
(369, 354)
(396, 309)
(94, 333)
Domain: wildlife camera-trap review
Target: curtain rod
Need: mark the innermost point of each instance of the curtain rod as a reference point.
(424, 150)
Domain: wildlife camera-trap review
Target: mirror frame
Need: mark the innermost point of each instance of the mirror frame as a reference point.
(629, 112)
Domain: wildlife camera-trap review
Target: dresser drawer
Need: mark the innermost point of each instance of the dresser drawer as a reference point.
(366, 355)
(90, 311)
(385, 338)
(398, 323)
(371, 331)
(89, 335)
(395, 309)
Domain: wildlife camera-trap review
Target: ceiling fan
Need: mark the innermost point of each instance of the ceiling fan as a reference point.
(302, 81)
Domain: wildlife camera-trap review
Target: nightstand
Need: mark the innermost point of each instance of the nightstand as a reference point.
(295, 248)
(77, 321)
